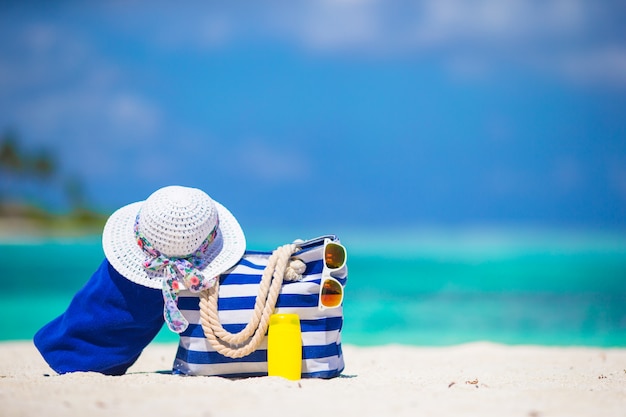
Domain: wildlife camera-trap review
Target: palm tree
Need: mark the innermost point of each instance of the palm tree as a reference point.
(10, 158)
(17, 166)
(43, 165)
(75, 193)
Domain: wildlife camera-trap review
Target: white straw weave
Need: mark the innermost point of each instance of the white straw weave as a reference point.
(175, 220)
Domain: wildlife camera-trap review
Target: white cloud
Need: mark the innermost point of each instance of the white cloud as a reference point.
(497, 21)
(55, 84)
(558, 36)
(132, 114)
(260, 160)
(38, 54)
(359, 24)
(83, 114)
(411, 26)
(484, 32)
(604, 65)
(572, 39)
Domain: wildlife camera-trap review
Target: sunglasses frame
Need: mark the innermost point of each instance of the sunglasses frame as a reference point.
(327, 273)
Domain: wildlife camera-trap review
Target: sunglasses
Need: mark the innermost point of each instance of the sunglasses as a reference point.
(331, 290)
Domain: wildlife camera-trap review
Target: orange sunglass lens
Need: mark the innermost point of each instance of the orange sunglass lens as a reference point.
(334, 256)
(332, 293)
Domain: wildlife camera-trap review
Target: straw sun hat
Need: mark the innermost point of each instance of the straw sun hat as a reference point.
(176, 221)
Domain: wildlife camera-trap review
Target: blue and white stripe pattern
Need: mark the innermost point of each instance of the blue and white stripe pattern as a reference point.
(321, 329)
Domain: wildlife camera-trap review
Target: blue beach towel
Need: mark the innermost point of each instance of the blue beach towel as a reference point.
(105, 328)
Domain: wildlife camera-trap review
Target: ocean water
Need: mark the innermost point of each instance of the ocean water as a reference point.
(416, 287)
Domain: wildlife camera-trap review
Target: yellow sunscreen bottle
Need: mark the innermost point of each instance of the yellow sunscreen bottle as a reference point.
(284, 346)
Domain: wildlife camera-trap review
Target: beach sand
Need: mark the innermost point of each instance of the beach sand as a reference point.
(478, 379)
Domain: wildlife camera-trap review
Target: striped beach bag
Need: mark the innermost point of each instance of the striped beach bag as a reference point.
(227, 332)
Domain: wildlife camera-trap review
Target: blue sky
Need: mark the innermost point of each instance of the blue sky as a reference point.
(331, 114)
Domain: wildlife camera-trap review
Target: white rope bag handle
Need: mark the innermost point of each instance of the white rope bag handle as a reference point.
(243, 343)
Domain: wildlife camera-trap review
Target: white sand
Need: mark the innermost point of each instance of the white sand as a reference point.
(476, 379)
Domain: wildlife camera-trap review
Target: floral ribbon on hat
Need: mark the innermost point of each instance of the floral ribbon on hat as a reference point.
(177, 271)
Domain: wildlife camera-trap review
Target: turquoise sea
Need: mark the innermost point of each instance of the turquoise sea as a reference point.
(412, 287)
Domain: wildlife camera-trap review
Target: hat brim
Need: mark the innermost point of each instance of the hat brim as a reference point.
(122, 251)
